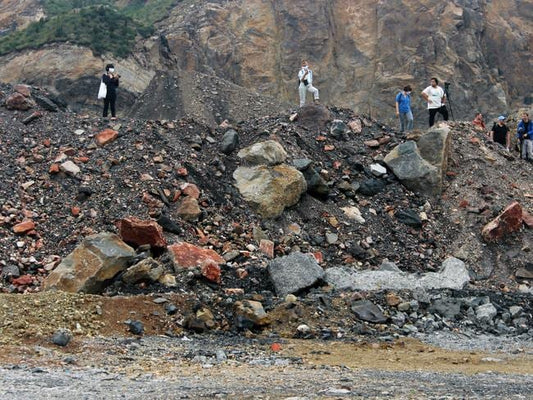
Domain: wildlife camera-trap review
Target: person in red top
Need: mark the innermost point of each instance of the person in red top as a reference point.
(479, 122)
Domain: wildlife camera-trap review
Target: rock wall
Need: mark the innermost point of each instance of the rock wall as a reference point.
(362, 52)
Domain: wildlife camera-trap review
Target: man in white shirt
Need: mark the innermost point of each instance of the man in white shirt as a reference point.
(305, 76)
(436, 99)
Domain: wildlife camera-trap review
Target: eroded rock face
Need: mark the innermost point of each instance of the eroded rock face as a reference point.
(269, 190)
(94, 262)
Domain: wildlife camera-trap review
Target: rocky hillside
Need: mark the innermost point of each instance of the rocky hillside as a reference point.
(362, 54)
(145, 206)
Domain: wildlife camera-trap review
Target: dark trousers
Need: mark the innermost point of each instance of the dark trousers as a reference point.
(433, 111)
(109, 101)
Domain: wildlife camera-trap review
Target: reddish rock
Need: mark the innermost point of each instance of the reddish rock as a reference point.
(54, 169)
(23, 280)
(527, 218)
(24, 90)
(356, 126)
(384, 140)
(464, 203)
(372, 143)
(211, 271)
(329, 147)
(474, 140)
(189, 209)
(275, 347)
(267, 247)
(75, 211)
(190, 189)
(137, 232)
(318, 257)
(18, 102)
(186, 255)
(106, 136)
(510, 220)
(24, 226)
(182, 171)
(47, 142)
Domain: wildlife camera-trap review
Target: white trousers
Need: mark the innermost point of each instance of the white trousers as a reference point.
(304, 89)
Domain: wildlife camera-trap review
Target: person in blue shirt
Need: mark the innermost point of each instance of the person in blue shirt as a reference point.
(524, 133)
(403, 109)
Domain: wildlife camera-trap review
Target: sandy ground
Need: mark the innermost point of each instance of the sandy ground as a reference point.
(105, 361)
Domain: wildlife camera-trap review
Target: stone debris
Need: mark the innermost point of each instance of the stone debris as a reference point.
(261, 209)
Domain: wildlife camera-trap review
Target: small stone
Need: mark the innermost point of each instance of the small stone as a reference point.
(61, 337)
(106, 136)
(24, 226)
(135, 327)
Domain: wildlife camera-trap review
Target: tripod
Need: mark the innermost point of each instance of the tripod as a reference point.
(447, 92)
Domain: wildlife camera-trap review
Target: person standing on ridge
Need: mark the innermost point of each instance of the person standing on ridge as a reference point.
(500, 133)
(305, 79)
(524, 133)
(479, 122)
(436, 99)
(403, 109)
(111, 81)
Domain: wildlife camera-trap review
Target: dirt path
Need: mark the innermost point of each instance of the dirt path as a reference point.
(105, 361)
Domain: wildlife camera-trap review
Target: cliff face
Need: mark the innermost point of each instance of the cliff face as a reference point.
(362, 52)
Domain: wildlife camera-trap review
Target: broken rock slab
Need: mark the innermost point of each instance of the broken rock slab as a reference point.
(453, 275)
(89, 268)
(412, 170)
(294, 272)
(139, 232)
(186, 255)
(509, 221)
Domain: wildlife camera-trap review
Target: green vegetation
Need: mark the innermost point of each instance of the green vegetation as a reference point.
(96, 24)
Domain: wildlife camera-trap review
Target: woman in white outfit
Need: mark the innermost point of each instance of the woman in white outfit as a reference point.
(305, 76)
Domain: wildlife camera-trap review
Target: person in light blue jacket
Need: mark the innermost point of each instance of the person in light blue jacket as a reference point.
(403, 109)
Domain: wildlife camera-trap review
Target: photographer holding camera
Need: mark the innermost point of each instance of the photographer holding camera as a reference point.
(524, 133)
(110, 79)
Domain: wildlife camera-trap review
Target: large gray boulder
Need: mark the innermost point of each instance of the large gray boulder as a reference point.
(269, 190)
(91, 265)
(412, 170)
(420, 166)
(434, 147)
(294, 272)
(452, 275)
(269, 152)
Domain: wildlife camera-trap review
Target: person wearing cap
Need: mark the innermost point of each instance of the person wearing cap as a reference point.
(111, 80)
(500, 133)
(524, 134)
(436, 99)
(403, 109)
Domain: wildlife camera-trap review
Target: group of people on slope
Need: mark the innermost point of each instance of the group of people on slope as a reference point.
(500, 133)
(434, 95)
